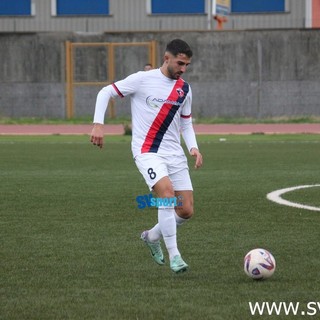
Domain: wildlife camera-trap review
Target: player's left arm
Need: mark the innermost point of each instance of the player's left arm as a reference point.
(198, 156)
(189, 138)
(187, 131)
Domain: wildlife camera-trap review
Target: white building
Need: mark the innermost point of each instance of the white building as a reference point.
(149, 15)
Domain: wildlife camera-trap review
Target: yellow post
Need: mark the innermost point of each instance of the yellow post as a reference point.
(111, 76)
(70, 65)
(69, 81)
(153, 53)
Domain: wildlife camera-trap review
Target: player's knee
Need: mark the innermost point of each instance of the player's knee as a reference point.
(185, 211)
(168, 193)
(164, 189)
(188, 212)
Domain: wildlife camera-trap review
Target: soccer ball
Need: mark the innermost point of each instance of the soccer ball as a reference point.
(259, 264)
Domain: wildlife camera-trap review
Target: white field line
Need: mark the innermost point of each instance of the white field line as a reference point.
(275, 196)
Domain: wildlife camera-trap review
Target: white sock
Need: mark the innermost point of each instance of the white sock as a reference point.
(168, 227)
(154, 234)
(179, 220)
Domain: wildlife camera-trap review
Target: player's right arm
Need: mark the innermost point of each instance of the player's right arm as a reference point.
(97, 135)
(103, 98)
(118, 89)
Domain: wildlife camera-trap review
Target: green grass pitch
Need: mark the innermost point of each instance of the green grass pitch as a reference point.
(70, 230)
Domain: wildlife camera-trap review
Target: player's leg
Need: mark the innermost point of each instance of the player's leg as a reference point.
(152, 169)
(181, 182)
(183, 212)
(166, 216)
(180, 177)
(184, 208)
(168, 225)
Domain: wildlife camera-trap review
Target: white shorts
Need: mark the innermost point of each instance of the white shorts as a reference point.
(153, 167)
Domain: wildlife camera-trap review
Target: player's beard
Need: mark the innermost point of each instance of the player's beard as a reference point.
(172, 74)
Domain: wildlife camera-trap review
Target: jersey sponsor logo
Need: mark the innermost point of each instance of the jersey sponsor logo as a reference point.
(154, 102)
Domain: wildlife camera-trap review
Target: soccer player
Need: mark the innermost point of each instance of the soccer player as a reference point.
(161, 110)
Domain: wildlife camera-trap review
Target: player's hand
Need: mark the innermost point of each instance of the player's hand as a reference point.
(196, 153)
(97, 135)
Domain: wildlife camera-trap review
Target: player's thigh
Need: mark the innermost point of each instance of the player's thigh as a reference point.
(181, 181)
(163, 188)
(179, 173)
(152, 167)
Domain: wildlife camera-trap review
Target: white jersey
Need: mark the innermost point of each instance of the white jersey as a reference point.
(157, 105)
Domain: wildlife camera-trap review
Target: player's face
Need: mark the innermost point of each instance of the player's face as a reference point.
(176, 65)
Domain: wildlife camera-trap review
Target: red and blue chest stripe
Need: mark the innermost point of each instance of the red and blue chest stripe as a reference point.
(165, 116)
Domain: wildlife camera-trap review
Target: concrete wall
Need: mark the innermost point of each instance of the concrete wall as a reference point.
(237, 74)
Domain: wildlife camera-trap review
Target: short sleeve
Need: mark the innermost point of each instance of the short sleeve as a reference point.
(129, 85)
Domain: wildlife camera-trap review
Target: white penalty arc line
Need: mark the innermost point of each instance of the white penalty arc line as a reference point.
(275, 196)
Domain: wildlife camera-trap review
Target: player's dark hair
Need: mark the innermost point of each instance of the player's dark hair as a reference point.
(177, 46)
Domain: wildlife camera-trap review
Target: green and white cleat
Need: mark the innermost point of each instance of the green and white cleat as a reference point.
(155, 248)
(177, 265)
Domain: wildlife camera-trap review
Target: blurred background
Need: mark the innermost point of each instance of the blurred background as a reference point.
(252, 58)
